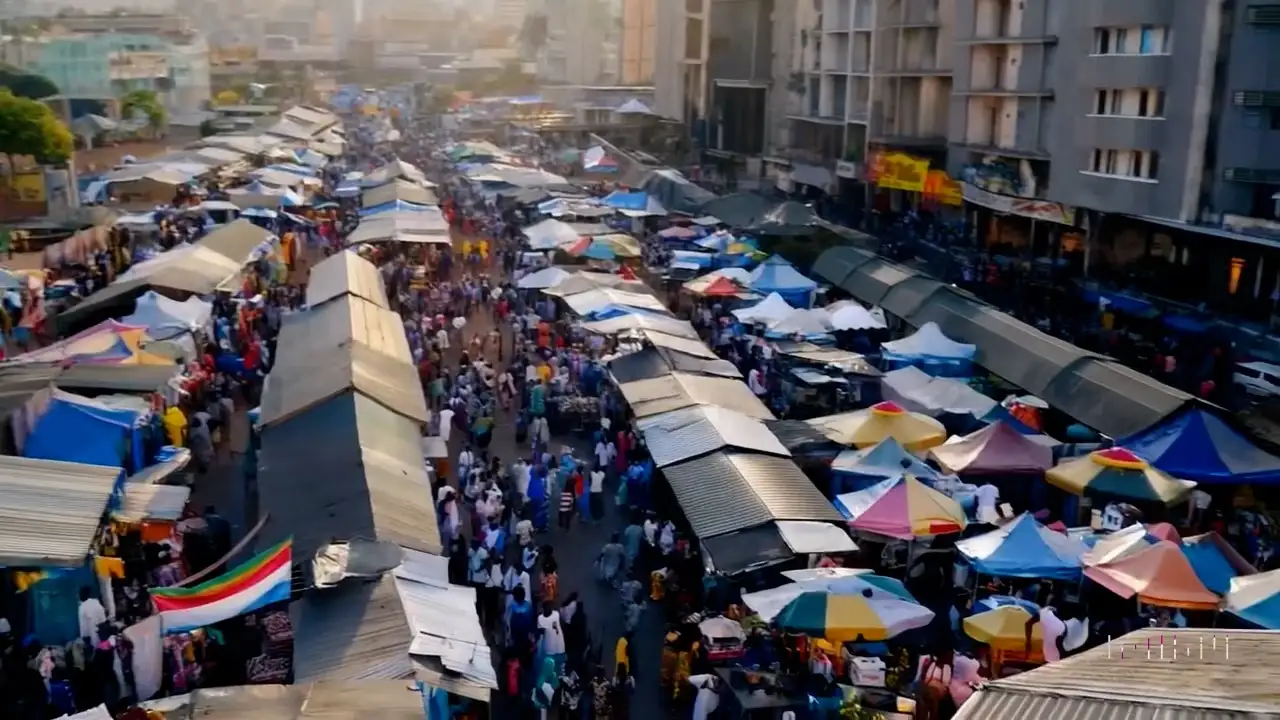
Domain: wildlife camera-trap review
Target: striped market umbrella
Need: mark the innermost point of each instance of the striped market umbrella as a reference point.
(864, 428)
(851, 618)
(1118, 473)
(902, 508)
(1004, 628)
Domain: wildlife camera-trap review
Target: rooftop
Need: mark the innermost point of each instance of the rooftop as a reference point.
(1205, 675)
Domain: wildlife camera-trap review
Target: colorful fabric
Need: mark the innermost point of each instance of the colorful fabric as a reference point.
(851, 618)
(864, 428)
(902, 508)
(1117, 473)
(257, 583)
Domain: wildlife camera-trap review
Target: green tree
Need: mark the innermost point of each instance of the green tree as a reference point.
(25, 84)
(144, 102)
(29, 127)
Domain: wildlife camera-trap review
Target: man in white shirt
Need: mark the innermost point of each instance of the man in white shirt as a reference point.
(755, 382)
(92, 615)
(446, 423)
(605, 452)
(466, 459)
(596, 499)
(442, 339)
(988, 496)
(651, 531)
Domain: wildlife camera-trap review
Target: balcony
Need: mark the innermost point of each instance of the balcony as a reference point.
(1264, 176)
(988, 146)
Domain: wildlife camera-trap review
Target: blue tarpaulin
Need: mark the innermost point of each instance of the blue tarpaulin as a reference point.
(1197, 445)
(778, 275)
(77, 429)
(626, 200)
(1214, 561)
(1024, 548)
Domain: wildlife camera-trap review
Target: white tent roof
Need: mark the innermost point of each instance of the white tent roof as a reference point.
(681, 435)
(550, 234)
(947, 395)
(849, 315)
(802, 322)
(627, 323)
(929, 341)
(771, 309)
(633, 107)
(593, 300)
(544, 278)
(164, 317)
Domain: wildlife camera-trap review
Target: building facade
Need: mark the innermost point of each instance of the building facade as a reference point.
(682, 48)
(638, 43)
(109, 65)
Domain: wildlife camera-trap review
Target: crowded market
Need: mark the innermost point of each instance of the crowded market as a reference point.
(356, 403)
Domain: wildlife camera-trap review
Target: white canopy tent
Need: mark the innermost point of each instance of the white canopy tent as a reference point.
(772, 309)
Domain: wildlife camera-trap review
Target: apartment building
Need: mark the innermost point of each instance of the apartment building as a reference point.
(110, 64)
(682, 45)
(581, 44)
(740, 69)
(638, 42)
(1245, 141)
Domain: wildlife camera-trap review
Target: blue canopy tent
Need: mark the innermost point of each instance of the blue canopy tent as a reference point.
(778, 275)
(612, 311)
(855, 470)
(929, 349)
(1215, 562)
(394, 206)
(1197, 445)
(77, 429)
(1026, 549)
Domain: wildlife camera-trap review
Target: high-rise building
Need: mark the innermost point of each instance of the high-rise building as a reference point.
(639, 41)
(680, 60)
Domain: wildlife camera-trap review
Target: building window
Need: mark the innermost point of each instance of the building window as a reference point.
(1129, 102)
(1143, 165)
(1141, 40)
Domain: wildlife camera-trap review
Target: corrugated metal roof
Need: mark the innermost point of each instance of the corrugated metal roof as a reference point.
(301, 382)
(144, 501)
(656, 362)
(50, 511)
(342, 321)
(683, 434)
(445, 624)
(345, 273)
(154, 474)
(994, 704)
(801, 438)
(356, 631)
(681, 390)
(627, 323)
(687, 346)
(347, 468)
(739, 551)
(727, 492)
(1218, 674)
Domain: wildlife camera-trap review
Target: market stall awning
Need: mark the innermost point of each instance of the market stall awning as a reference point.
(995, 449)
(346, 468)
(864, 428)
(1196, 444)
(656, 362)
(682, 435)
(1158, 575)
(1026, 549)
(307, 380)
(1095, 390)
(397, 190)
(727, 492)
(590, 301)
(902, 508)
(345, 273)
(50, 511)
(682, 390)
(882, 461)
(668, 326)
